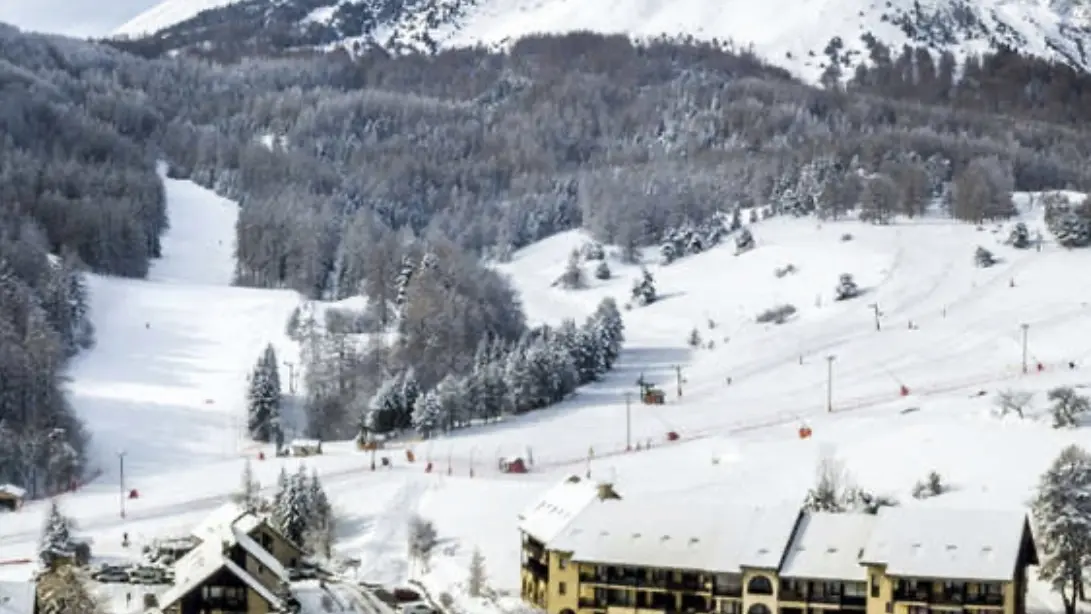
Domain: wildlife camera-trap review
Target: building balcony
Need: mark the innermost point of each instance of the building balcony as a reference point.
(992, 600)
(729, 590)
(536, 568)
(793, 595)
(920, 595)
(825, 598)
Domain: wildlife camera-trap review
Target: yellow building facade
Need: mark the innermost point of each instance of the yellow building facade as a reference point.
(585, 554)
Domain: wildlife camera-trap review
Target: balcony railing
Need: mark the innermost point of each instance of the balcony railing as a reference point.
(537, 568)
(792, 594)
(952, 598)
(727, 590)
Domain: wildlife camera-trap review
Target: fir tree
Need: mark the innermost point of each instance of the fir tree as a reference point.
(1062, 513)
(427, 415)
(644, 288)
(292, 511)
(65, 590)
(476, 584)
(410, 394)
(283, 483)
(56, 541)
(573, 277)
(249, 494)
(602, 270)
(320, 521)
(263, 398)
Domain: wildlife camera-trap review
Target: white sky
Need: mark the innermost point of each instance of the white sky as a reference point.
(80, 18)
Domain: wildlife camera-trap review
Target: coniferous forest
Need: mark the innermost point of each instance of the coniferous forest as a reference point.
(396, 176)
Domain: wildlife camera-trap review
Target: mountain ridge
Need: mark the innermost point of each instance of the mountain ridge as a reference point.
(807, 39)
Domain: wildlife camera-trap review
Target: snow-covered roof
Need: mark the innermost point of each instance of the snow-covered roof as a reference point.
(231, 524)
(679, 533)
(947, 543)
(13, 490)
(16, 597)
(828, 546)
(198, 565)
(227, 515)
(558, 506)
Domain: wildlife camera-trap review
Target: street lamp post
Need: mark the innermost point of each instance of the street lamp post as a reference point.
(1024, 327)
(628, 422)
(121, 480)
(829, 384)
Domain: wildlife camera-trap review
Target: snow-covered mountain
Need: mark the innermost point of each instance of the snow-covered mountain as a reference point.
(800, 36)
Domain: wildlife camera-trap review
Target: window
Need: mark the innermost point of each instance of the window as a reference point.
(759, 585)
(562, 588)
(562, 562)
(855, 589)
(758, 608)
(875, 586)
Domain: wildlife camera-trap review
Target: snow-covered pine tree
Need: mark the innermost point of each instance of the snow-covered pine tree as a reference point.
(602, 271)
(272, 367)
(384, 407)
(291, 514)
(573, 278)
(410, 393)
(744, 241)
(56, 540)
(846, 288)
(427, 414)
(644, 288)
(1062, 515)
(401, 286)
(281, 493)
(667, 253)
(249, 493)
(263, 398)
(983, 258)
(1020, 236)
(320, 519)
(422, 541)
(475, 586)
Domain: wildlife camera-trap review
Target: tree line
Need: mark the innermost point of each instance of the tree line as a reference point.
(344, 167)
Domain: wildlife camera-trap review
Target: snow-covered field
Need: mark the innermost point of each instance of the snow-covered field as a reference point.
(165, 385)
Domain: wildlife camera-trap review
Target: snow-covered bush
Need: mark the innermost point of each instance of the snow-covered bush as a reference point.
(593, 251)
(931, 486)
(1013, 401)
(776, 315)
(572, 278)
(602, 271)
(1069, 223)
(694, 339)
(845, 238)
(846, 288)
(1019, 237)
(744, 241)
(787, 269)
(644, 289)
(983, 258)
(1067, 406)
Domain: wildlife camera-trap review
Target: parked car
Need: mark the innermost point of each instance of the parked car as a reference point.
(110, 574)
(148, 575)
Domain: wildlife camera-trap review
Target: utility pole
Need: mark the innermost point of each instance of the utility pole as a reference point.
(291, 376)
(678, 378)
(1024, 327)
(628, 421)
(829, 383)
(121, 480)
(875, 308)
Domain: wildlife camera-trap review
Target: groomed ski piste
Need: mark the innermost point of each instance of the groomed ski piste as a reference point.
(165, 386)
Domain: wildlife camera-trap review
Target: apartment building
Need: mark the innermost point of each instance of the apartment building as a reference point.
(587, 550)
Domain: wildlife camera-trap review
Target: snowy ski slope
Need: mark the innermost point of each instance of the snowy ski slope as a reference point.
(165, 384)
